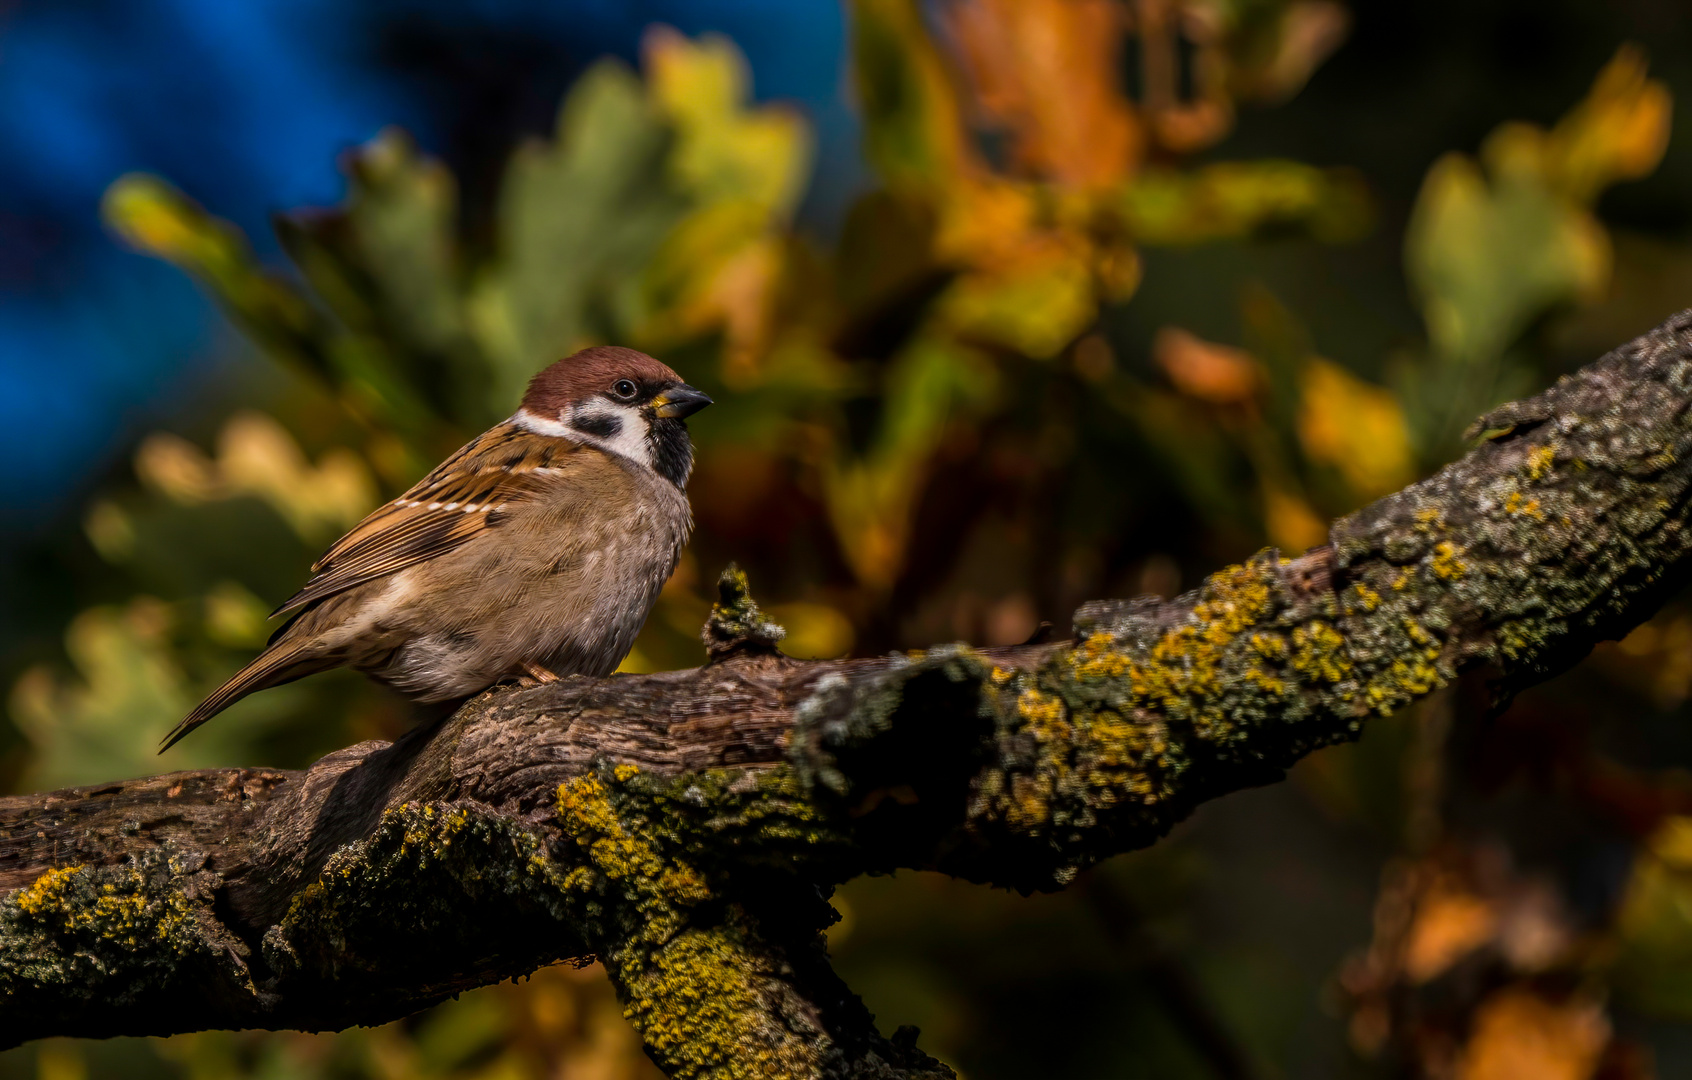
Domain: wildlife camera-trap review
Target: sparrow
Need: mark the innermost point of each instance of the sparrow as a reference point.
(537, 550)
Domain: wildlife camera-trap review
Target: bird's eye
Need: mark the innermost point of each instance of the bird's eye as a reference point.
(623, 388)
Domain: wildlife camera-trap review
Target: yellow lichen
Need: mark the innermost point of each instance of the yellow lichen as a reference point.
(1517, 638)
(1402, 581)
(1446, 563)
(1270, 646)
(47, 891)
(123, 912)
(697, 1003)
(585, 808)
(1098, 658)
(1516, 504)
(1044, 715)
(694, 993)
(627, 857)
(1539, 462)
(1367, 598)
(1120, 754)
(1187, 660)
(684, 884)
(1030, 802)
(1319, 653)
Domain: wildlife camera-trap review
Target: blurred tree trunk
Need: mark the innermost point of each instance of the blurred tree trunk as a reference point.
(687, 827)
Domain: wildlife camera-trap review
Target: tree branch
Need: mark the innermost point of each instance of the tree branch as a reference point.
(687, 827)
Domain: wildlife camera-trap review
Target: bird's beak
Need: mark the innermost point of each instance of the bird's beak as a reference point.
(679, 401)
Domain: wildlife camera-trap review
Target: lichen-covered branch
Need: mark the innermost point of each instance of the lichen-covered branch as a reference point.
(687, 827)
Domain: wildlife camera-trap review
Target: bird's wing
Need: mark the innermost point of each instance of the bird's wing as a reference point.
(468, 494)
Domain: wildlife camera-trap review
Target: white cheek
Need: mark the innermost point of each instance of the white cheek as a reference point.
(629, 437)
(541, 425)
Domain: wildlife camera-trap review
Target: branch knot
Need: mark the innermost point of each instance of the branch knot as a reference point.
(736, 626)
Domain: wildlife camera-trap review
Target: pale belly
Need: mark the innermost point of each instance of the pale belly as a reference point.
(575, 612)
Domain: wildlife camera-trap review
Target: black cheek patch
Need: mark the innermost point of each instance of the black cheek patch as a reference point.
(600, 426)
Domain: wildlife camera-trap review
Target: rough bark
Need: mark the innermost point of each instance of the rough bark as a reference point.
(687, 827)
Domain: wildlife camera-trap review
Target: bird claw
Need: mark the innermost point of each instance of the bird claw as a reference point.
(536, 675)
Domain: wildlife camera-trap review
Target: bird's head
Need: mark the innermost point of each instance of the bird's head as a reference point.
(620, 400)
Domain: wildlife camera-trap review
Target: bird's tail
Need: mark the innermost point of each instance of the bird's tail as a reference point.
(283, 662)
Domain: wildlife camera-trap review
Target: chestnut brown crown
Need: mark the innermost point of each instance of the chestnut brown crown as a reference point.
(581, 375)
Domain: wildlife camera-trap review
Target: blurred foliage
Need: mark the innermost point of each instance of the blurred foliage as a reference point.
(937, 428)
(1490, 250)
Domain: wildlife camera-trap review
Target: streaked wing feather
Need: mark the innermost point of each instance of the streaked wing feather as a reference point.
(504, 466)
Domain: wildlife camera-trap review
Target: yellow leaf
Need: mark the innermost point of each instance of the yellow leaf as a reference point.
(1354, 427)
(177, 468)
(745, 168)
(719, 268)
(987, 221)
(1486, 259)
(257, 456)
(1236, 199)
(870, 498)
(1672, 842)
(1490, 253)
(107, 724)
(727, 149)
(235, 617)
(154, 217)
(1654, 924)
(110, 529)
(814, 631)
(1292, 525)
(1036, 308)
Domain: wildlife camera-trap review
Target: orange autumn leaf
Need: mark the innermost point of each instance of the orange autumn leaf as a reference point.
(1451, 923)
(1618, 133)
(1519, 1034)
(1218, 374)
(1046, 70)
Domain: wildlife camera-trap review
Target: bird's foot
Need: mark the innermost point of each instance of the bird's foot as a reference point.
(536, 676)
